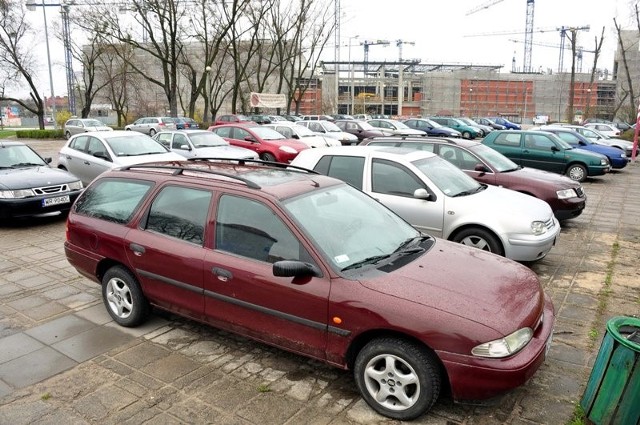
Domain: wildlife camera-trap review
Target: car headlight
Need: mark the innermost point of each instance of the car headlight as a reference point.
(287, 149)
(604, 161)
(16, 194)
(506, 346)
(77, 185)
(623, 155)
(538, 228)
(566, 193)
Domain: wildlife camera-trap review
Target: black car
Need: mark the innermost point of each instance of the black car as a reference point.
(29, 186)
(431, 127)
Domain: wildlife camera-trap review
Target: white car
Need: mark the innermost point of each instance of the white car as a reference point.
(292, 130)
(329, 129)
(201, 144)
(439, 199)
(396, 127)
(606, 129)
(88, 155)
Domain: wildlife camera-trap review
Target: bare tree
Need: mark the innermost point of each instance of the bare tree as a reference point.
(628, 91)
(594, 71)
(17, 59)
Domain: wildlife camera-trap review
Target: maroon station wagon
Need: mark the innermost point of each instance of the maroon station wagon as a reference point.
(312, 265)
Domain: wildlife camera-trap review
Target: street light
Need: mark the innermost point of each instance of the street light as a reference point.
(31, 5)
(352, 76)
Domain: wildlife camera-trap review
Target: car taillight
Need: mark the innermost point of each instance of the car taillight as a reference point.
(162, 124)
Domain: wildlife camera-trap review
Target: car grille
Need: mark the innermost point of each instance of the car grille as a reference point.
(580, 192)
(47, 190)
(549, 224)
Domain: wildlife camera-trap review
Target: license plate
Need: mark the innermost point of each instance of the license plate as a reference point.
(47, 202)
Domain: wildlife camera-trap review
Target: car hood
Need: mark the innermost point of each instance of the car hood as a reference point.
(319, 141)
(447, 131)
(22, 178)
(409, 132)
(341, 135)
(604, 150)
(509, 203)
(224, 152)
(557, 180)
(99, 128)
(504, 294)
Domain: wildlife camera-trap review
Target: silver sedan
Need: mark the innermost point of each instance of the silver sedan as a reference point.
(201, 144)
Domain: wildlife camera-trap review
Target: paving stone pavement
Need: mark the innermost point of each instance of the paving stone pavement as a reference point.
(63, 361)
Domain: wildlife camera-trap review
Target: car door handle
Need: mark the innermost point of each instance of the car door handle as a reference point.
(87, 163)
(137, 249)
(223, 274)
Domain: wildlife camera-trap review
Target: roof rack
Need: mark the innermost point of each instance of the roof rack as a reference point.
(243, 161)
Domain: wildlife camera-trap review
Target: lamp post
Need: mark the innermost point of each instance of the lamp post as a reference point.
(31, 6)
(352, 76)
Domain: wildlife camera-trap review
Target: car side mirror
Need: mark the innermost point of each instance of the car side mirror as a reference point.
(250, 139)
(102, 155)
(185, 147)
(422, 194)
(48, 160)
(294, 268)
(295, 136)
(554, 148)
(481, 168)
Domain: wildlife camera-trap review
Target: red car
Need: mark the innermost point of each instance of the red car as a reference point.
(299, 260)
(232, 118)
(566, 197)
(266, 142)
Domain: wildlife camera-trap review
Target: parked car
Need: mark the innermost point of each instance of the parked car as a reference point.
(260, 119)
(201, 144)
(329, 129)
(617, 158)
(396, 127)
(151, 125)
(508, 124)
(546, 151)
(83, 125)
(608, 129)
(596, 137)
(622, 126)
(467, 131)
(362, 117)
(292, 118)
(431, 127)
(485, 129)
(361, 129)
(317, 117)
(292, 130)
(342, 117)
(232, 118)
(439, 199)
(491, 123)
(88, 155)
(298, 261)
(566, 197)
(191, 122)
(266, 142)
(181, 123)
(277, 118)
(29, 186)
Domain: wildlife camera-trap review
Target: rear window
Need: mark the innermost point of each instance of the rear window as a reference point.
(112, 199)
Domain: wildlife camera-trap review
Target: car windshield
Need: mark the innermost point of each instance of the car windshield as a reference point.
(207, 139)
(340, 220)
(266, 133)
(19, 156)
(500, 162)
(134, 145)
(399, 125)
(93, 123)
(366, 126)
(304, 131)
(433, 124)
(558, 140)
(590, 132)
(447, 177)
(331, 127)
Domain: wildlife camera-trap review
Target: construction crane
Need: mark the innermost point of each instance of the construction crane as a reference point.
(563, 34)
(366, 45)
(399, 43)
(562, 47)
(528, 38)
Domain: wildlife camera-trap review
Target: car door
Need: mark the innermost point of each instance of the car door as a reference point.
(540, 151)
(180, 144)
(238, 137)
(241, 292)
(167, 248)
(394, 185)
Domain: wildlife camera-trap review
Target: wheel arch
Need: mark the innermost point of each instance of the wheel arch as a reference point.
(466, 226)
(106, 264)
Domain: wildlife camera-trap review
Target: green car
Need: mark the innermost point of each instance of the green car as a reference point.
(467, 131)
(546, 151)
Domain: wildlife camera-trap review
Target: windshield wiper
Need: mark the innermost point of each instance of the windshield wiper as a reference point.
(26, 164)
(403, 248)
(471, 191)
(369, 260)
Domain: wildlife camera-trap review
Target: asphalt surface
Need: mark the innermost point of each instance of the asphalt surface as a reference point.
(62, 360)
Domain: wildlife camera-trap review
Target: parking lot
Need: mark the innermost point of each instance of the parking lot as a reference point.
(62, 359)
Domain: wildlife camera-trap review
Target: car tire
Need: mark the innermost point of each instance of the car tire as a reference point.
(67, 134)
(577, 172)
(397, 378)
(268, 157)
(479, 238)
(466, 135)
(152, 132)
(123, 297)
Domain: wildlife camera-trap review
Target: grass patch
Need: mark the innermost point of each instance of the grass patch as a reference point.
(604, 293)
(264, 388)
(7, 133)
(593, 335)
(578, 417)
(45, 396)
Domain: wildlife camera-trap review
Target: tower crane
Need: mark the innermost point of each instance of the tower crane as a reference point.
(399, 43)
(562, 46)
(366, 45)
(528, 37)
(563, 34)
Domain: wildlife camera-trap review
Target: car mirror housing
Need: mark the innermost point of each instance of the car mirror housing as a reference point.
(291, 268)
(185, 147)
(421, 194)
(481, 168)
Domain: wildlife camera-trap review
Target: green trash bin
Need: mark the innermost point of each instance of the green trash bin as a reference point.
(612, 395)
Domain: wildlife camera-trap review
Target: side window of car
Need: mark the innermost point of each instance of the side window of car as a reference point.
(223, 132)
(251, 229)
(538, 141)
(427, 147)
(569, 138)
(240, 133)
(164, 139)
(96, 148)
(112, 199)
(351, 126)
(393, 179)
(180, 212)
(80, 143)
(180, 140)
(314, 126)
(507, 139)
(346, 168)
(285, 131)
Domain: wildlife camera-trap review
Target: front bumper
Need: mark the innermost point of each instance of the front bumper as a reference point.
(34, 206)
(530, 247)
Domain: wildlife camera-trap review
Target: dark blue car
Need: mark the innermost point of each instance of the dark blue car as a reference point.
(617, 158)
(432, 128)
(506, 123)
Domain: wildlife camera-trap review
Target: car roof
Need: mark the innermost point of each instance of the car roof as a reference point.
(387, 152)
(275, 181)
(442, 140)
(4, 142)
(185, 131)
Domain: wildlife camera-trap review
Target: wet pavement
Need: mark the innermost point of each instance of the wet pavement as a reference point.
(63, 360)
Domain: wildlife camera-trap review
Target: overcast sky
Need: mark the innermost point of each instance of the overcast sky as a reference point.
(442, 31)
